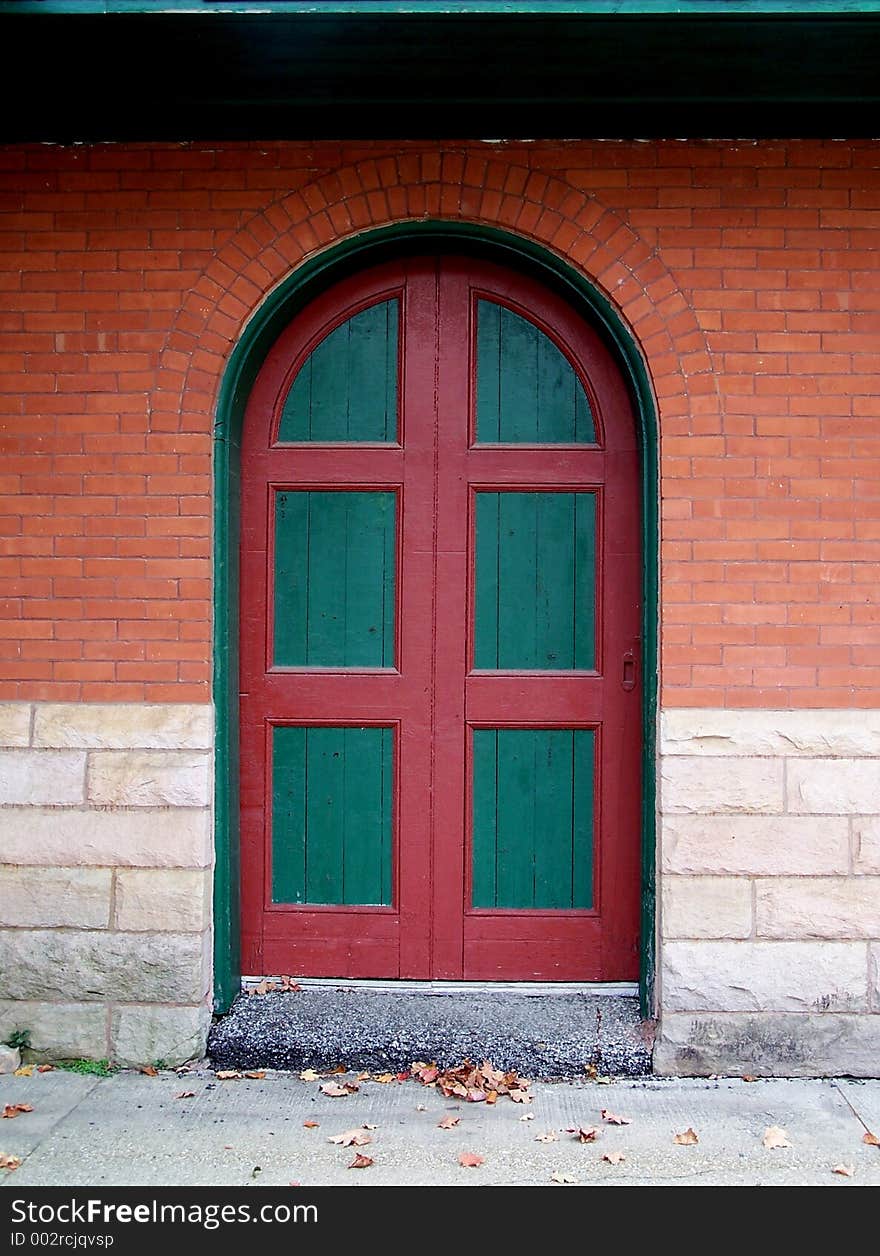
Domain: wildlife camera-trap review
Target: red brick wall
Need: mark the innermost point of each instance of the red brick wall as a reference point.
(749, 273)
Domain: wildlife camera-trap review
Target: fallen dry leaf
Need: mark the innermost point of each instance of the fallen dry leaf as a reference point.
(614, 1157)
(362, 1077)
(470, 1160)
(844, 1170)
(15, 1109)
(311, 1125)
(518, 1095)
(384, 1078)
(309, 1075)
(448, 1123)
(338, 1068)
(563, 1179)
(334, 1091)
(747, 1077)
(9, 1162)
(871, 1139)
(361, 1162)
(592, 1072)
(527, 1116)
(613, 1119)
(687, 1138)
(45, 1068)
(584, 1133)
(186, 1094)
(256, 1075)
(26, 1070)
(351, 1138)
(427, 1074)
(775, 1136)
(550, 1137)
(149, 1071)
(229, 1075)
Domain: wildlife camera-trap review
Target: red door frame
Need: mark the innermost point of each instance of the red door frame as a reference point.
(432, 699)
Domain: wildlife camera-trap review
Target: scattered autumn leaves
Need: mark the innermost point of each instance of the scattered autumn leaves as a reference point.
(474, 1083)
(284, 985)
(10, 1111)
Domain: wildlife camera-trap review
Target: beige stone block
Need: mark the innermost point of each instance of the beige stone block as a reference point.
(835, 787)
(15, 723)
(768, 1044)
(692, 784)
(10, 1058)
(172, 899)
(35, 897)
(755, 845)
(706, 907)
(149, 778)
(172, 1035)
(32, 777)
(823, 907)
(764, 977)
(163, 838)
(726, 732)
(102, 966)
(866, 844)
(58, 1031)
(123, 726)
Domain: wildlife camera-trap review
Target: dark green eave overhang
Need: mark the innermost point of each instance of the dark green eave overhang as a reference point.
(294, 69)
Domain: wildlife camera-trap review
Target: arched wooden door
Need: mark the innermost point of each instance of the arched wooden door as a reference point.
(440, 617)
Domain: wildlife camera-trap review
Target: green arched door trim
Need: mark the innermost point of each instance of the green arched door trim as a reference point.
(264, 326)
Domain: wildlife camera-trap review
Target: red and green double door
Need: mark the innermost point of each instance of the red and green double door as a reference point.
(440, 610)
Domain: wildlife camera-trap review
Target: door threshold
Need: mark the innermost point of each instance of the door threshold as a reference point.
(604, 989)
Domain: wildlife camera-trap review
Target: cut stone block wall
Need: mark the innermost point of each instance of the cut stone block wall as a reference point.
(769, 875)
(105, 879)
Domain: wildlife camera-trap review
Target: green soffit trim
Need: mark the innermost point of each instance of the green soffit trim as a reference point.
(614, 8)
(452, 69)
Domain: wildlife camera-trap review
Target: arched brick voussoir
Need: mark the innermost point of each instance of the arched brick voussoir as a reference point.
(460, 185)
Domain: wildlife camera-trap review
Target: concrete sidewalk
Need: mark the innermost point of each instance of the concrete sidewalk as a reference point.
(134, 1130)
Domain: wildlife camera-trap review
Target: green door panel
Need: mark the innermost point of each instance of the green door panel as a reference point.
(332, 790)
(334, 578)
(532, 818)
(535, 605)
(527, 390)
(346, 390)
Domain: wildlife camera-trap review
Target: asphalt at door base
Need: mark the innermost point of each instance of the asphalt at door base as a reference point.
(557, 1035)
